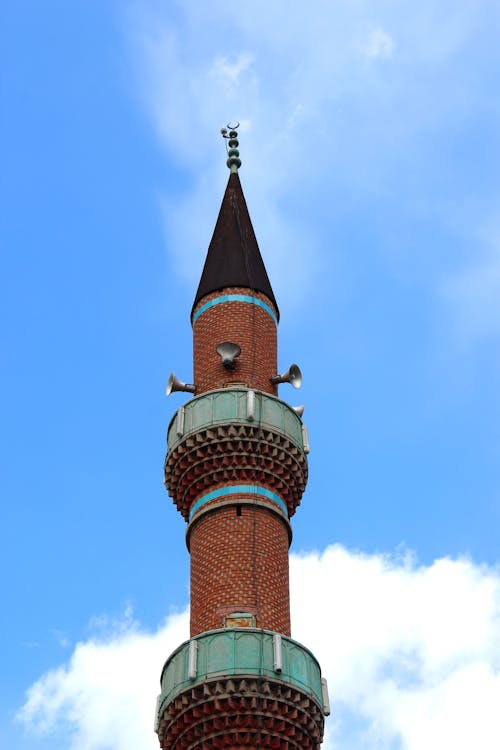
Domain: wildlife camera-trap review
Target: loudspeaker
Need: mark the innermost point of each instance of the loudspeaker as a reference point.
(174, 384)
(228, 353)
(293, 376)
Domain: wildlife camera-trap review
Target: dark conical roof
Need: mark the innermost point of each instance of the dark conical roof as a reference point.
(233, 257)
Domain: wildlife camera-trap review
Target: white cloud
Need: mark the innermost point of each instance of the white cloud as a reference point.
(104, 697)
(402, 645)
(412, 656)
(230, 71)
(473, 294)
(378, 44)
(61, 638)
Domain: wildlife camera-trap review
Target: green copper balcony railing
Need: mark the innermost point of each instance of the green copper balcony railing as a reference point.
(237, 652)
(232, 406)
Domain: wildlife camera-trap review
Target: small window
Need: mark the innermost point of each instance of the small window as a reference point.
(238, 510)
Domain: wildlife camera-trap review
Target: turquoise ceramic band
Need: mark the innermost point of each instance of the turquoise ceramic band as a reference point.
(235, 298)
(239, 489)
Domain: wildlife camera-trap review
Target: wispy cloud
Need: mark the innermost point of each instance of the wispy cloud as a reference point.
(61, 638)
(325, 131)
(230, 70)
(473, 294)
(411, 653)
(378, 44)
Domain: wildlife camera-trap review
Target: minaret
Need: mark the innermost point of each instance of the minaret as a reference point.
(236, 468)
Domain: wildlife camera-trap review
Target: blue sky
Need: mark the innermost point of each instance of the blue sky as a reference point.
(370, 147)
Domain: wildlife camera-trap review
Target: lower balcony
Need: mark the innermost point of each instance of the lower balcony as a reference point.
(241, 686)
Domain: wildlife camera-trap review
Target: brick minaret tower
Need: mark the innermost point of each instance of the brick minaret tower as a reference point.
(236, 468)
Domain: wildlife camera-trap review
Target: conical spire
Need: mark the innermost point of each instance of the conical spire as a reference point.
(233, 257)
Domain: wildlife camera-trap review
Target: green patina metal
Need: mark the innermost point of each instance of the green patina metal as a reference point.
(233, 162)
(230, 407)
(241, 651)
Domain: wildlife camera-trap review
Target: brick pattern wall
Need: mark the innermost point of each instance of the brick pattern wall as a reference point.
(239, 554)
(239, 563)
(245, 324)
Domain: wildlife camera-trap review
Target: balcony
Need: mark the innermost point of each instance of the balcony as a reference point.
(232, 406)
(241, 652)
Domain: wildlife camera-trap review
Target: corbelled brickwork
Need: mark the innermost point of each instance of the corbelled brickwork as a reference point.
(239, 563)
(224, 454)
(250, 325)
(247, 714)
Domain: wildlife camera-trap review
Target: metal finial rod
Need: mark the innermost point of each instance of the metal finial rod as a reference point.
(233, 161)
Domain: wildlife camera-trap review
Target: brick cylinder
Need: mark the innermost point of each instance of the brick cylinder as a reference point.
(239, 564)
(236, 468)
(246, 318)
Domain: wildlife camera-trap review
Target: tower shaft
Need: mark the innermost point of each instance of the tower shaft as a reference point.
(239, 568)
(236, 468)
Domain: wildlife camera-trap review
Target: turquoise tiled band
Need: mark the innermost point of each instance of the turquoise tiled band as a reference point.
(238, 489)
(235, 298)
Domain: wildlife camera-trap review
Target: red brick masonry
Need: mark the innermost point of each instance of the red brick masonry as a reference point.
(239, 563)
(245, 324)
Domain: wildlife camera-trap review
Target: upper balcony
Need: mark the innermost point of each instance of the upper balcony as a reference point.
(234, 406)
(236, 436)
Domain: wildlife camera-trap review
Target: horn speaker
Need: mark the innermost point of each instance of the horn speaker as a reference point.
(174, 384)
(293, 376)
(228, 353)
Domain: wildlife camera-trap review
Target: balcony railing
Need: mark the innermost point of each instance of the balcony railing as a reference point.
(235, 406)
(241, 652)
